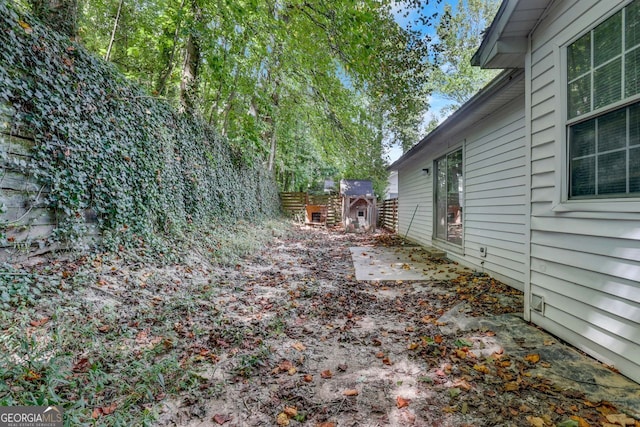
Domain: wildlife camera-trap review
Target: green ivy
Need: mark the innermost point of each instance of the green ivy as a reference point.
(103, 145)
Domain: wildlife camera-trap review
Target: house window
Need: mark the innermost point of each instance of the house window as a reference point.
(603, 102)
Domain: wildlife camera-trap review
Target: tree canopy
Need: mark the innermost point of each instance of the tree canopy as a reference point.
(459, 32)
(315, 87)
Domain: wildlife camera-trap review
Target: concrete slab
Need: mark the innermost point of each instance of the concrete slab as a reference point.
(402, 263)
(562, 364)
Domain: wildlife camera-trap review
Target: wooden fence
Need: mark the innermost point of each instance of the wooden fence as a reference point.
(26, 223)
(293, 203)
(388, 215)
(24, 220)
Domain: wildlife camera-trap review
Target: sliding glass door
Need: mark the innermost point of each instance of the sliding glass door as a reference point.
(449, 187)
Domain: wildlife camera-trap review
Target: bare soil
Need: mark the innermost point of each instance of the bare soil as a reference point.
(290, 337)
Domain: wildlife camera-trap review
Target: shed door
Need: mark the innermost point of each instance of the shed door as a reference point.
(449, 196)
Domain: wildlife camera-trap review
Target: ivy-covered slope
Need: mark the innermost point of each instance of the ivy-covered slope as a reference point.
(103, 146)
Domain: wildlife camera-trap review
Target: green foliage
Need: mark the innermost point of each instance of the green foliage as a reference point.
(104, 146)
(74, 368)
(460, 32)
(306, 82)
(129, 350)
(18, 288)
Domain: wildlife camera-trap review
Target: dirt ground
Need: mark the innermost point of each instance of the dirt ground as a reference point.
(290, 337)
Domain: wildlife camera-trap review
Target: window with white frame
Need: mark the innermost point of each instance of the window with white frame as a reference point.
(603, 108)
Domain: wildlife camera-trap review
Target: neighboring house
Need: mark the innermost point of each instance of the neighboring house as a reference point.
(391, 192)
(537, 178)
(329, 187)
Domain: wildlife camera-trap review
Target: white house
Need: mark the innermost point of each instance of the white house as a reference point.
(391, 191)
(536, 179)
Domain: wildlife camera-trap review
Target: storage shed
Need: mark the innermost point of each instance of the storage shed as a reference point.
(358, 205)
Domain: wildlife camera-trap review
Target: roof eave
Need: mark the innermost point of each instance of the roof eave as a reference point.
(491, 88)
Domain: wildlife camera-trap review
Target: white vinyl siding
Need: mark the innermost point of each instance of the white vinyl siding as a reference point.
(415, 193)
(495, 193)
(495, 207)
(585, 264)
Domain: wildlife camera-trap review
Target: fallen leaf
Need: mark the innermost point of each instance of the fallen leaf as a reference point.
(532, 358)
(481, 368)
(581, 421)
(283, 366)
(427, 319)
(32, 375)
(535, 421)
(326, 424)
(387, 361)
(104, 328)
(568, 423)
(290, 411)
(299, 346)
(412, 346)
(221, 419)
(81, 365)
(462, 343)
(401, 402)
(326, 374)
(27, 28)
(106, 410)
(461, 354)
(282, 419)
(308, 378)
(40, 322)
(350, 392)
(379, 355)
(292, 371)
(621, 419)
(103, 410)
(462, 384)
(465, 408)
(512, 386)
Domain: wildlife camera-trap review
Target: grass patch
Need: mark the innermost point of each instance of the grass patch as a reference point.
(110, 336)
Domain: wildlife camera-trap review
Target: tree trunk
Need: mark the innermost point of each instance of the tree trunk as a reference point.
(189, 81)
(273, 141)
(162, 81)
(272, 147)
(113, 32)
(227, 110)
(60, 15)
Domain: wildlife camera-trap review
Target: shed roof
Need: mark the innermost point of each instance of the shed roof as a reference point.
(356, 187)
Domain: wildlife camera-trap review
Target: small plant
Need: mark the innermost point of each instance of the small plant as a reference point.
(250, 363)
(19, 288)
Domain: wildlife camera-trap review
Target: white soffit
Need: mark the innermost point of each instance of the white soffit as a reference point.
(505, 42)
